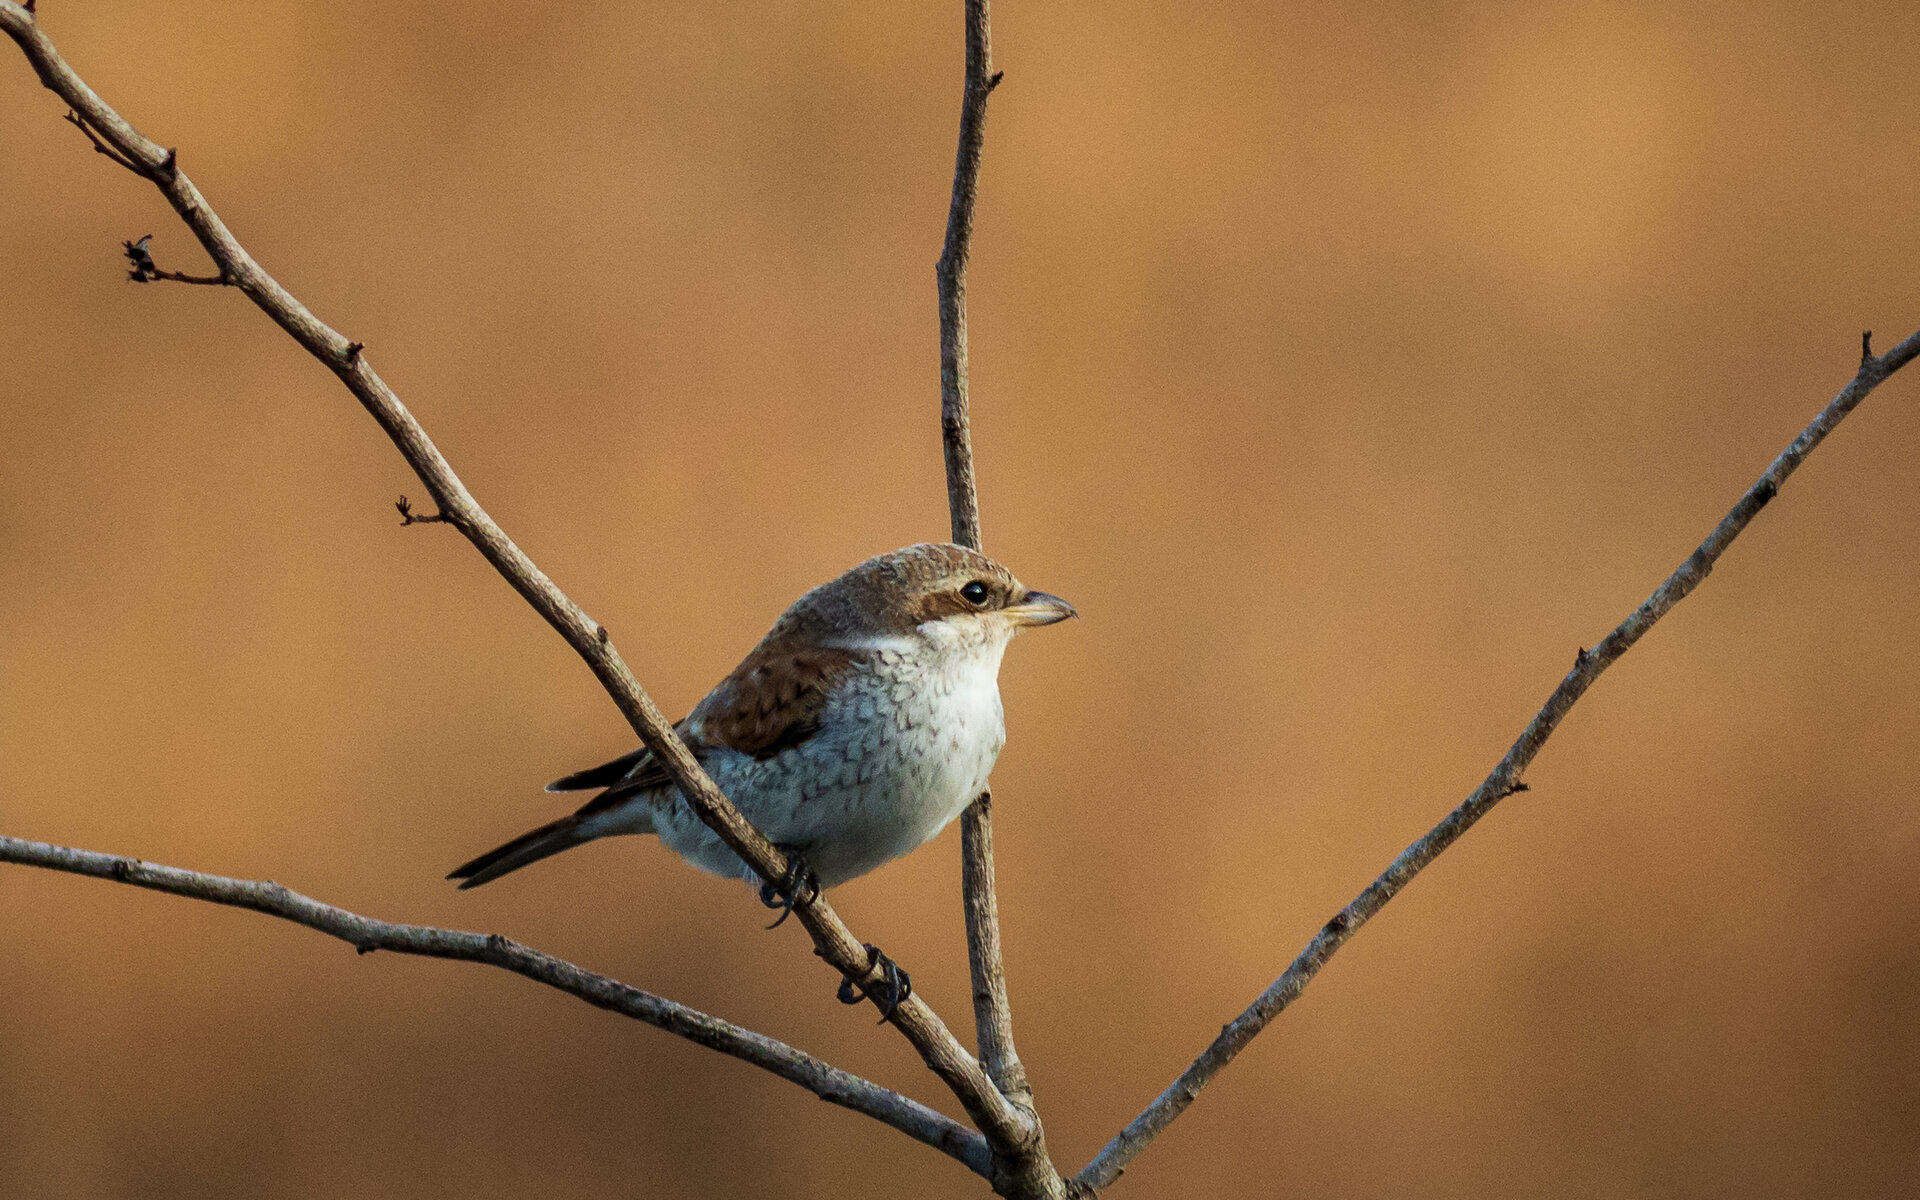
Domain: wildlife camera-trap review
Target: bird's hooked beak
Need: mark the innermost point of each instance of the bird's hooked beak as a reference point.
(1039, 608)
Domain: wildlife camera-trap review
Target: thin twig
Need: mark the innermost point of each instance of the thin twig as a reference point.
(73, 118)
(365, 934)
(992, 1014)
(1011, 1130)
(1501, 783)
(951, 276)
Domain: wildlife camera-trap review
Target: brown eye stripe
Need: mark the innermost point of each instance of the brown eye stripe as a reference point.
(935, 605)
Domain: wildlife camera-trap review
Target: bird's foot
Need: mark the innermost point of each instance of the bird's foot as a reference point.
(798, 886)
(899, 985)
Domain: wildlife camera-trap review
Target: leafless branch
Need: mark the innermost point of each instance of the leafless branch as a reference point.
(1504, 781)
(365, 934)
(992, 1015)
(1009, 1149)
(951, 273)
(1012, 1131)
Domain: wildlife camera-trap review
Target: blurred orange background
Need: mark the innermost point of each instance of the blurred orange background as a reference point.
(1349, 367)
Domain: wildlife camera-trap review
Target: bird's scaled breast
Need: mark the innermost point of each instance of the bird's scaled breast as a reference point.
(923, 737)
(903, 745)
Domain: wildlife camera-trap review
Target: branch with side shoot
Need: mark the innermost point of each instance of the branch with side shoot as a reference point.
(1012, 1131)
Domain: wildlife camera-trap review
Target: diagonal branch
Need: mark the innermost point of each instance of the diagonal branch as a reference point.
(1503, 782)
(365, 934)
(1011, 1131)
(992, 1015)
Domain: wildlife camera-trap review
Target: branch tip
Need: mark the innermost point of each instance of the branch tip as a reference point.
(170, 165)
(353, 351)
(993, 80)
(79, 122)
(1866, 349)
(1580, 657)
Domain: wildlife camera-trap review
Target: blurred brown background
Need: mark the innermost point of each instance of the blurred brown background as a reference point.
(1348, 369)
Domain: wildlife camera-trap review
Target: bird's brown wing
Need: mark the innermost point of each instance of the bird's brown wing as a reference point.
(771, 702)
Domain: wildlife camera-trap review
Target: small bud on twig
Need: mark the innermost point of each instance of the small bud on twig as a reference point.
(145, 270)
(409, 517)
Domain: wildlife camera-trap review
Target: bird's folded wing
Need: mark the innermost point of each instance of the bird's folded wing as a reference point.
(772, 702)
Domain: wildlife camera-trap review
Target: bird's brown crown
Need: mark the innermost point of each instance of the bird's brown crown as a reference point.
(891, 594)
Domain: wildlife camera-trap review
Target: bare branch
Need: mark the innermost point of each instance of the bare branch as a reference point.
(951, 276)
(1012, 1131)
(1504, 781)
(992, 1014)
(992, 1017)
(366, 935)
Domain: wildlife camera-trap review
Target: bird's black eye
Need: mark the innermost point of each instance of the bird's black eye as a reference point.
(974, 593)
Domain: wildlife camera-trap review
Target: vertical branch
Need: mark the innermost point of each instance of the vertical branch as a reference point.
(993, 1019)
(962, 499)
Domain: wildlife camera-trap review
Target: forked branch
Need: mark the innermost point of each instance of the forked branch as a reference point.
(1504, 781)
(1011, 1130)
(1010, 1148)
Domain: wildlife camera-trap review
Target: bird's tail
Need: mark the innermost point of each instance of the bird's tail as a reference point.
(566, 833)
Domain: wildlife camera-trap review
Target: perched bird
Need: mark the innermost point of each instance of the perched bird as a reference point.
(866, 719)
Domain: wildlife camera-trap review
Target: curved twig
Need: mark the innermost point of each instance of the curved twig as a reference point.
(1504, 781)
(365, 934)
(1010, 1129)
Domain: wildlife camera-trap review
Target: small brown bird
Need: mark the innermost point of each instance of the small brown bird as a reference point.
(865, 720)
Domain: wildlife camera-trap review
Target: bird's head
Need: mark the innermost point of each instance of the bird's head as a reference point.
(934, 591)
